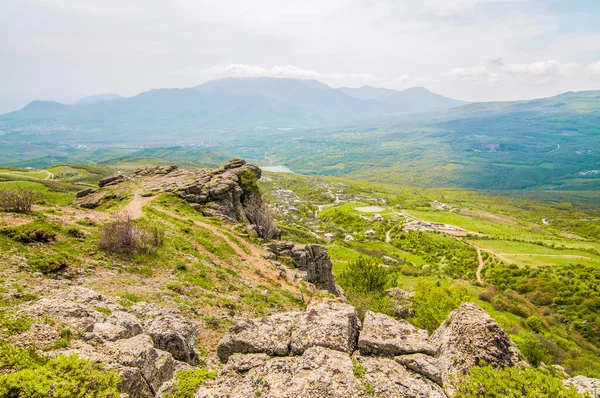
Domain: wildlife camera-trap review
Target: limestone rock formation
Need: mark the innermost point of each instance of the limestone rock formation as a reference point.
(468, 337)
(270, 335)
(311, 262)
(155, 170)
(423, 364)
(111, 180)
(585, 385)
(143, 343)
(220, 192)
(314, 354)
(326, 323)
(383, 335)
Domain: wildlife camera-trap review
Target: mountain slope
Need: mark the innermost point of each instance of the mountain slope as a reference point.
(412, 100)
(98, 98)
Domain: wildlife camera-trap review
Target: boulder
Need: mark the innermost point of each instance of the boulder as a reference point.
(319, 373)
(169, 330)
(383, 335)
(468, 337)
(155, 366)
(585, 385)
(270, 335)
(84, 192)
(387, 378)
(326, 323)
(111, 180)
(422, 364)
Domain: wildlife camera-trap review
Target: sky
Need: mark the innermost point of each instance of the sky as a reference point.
(476, 50)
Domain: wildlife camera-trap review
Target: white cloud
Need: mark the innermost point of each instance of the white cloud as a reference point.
(543, 69)
(478, 73)
(288, 71)
(595, 68)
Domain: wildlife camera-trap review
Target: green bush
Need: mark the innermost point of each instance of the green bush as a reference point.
(433, 302)
(532, 349)
(188, 381)
(364, 276)
(26, 374)
(487, 382)
(14, 325)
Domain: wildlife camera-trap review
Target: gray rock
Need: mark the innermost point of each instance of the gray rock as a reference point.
(172, 333)
(107, 331)
(155, 366)
(388, 378)
(271, 335)
(326, 323)
(383, 335)
(84, 192)
(127, 321)
(111, 180)
(311, 262)
(585, 385)
(422, 364)
(318, 373)
(220, 192)
(468, 337)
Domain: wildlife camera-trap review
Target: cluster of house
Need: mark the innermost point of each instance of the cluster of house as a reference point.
(427, 226)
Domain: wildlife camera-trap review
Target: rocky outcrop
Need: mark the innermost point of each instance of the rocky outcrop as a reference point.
(143, 343)
(311, 263)
(111, 180)
(169, 331)
(469, 337)
(585, 385)
(314, 354)
(383, 335)
(326, 323)
(220, 192)
(154, 170)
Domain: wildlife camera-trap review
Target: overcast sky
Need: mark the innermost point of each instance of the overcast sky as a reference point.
(467, 49)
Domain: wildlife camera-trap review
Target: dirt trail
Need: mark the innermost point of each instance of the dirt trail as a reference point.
(480, 267)
(388, 238)
(256, 256)
(134, 208)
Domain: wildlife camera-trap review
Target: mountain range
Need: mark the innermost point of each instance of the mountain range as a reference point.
(233, 104)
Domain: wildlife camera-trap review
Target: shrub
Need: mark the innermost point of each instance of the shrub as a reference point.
(532, 349)
(18, 199)
(188, 381)
(433, 302)
(364, 276)
(358, 370)
(29, 375)
(512, 382)
(124, 237)
(259, 215)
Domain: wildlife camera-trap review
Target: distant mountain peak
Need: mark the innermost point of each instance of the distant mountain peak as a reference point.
(98, 98)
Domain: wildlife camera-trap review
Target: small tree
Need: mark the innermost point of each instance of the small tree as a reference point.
(259, 215)
(364, 276)
(18, 199)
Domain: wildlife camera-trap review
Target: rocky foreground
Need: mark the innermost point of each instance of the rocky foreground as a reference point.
(325, 351)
